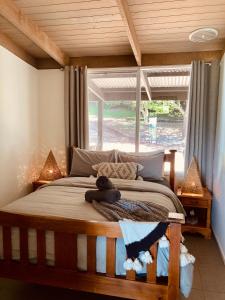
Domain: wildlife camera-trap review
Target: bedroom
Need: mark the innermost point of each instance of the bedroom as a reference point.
(135, 76)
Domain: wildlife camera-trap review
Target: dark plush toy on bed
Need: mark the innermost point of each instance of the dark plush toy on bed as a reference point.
(104, 183)
(106, 191)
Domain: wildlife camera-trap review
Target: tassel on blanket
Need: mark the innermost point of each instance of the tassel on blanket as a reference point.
(135, 265)
(163, 242)
(138, 238)
(146, 257)
(182, 239)
(128, 264)
(185, 257)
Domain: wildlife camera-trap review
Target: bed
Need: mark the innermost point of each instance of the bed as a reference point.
(41, 241)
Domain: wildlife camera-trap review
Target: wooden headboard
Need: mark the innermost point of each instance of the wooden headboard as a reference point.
(170, 157)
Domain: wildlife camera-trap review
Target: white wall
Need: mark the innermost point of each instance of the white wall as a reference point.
(52, 129)
(218, 209)
(19, 120)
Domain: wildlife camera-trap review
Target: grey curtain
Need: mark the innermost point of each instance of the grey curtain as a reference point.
(202, 115)
(76, 109)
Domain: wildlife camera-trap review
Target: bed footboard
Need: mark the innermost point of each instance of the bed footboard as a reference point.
(65, 274)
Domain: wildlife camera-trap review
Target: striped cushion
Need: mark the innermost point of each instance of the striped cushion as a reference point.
(127, 170)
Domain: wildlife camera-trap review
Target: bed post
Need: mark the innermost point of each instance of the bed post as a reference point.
(172, 169)
(174, 261)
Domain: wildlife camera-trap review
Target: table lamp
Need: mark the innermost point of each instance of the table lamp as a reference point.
(50, 171)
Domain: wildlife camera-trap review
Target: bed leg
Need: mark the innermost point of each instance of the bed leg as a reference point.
(174, 262)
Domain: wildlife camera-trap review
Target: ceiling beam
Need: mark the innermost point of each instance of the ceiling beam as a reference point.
(170, 89)
(130, 96)
(168, 74)
(159, 59)
(114, 75)
(146, 84)
(93, 88)
(12, 13)
(7, 43)
(132, 36)
(182, 96)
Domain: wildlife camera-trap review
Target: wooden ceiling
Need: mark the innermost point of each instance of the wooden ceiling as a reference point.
(99, 28)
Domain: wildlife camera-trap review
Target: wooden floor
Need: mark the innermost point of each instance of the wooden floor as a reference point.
(209, 279)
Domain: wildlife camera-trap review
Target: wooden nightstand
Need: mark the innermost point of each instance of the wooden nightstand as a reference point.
(38, 183)
(202, 208)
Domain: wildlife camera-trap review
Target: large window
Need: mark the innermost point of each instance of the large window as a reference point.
(138, 109)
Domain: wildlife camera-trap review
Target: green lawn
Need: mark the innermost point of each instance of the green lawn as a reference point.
(109, 112)
(127, 109)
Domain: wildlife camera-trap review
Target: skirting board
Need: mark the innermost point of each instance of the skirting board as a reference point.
(220, 247)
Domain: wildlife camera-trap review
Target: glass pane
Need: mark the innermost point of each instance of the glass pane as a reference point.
(163, 110)
(162, 125)
(93, 124)
(119, 121)
(112, 110)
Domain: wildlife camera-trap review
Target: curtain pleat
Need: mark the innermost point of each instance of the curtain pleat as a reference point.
(202, 115)
(76, 109)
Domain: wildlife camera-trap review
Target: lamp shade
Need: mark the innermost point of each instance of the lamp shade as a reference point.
(50, 170)
(192, 183)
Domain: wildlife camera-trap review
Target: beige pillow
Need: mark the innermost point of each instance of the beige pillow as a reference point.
(83, 160)
(118, 170)
(152, 162)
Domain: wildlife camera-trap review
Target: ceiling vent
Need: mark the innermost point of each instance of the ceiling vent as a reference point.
(203, 35)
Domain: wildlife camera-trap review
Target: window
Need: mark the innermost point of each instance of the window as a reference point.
(138, 109)
(112, 110)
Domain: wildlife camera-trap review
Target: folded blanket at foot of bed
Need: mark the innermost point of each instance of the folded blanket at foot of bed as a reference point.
(138, 239)
(132, 210)
(140, 236)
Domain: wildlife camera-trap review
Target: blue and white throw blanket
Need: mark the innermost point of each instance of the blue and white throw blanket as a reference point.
(140, 236)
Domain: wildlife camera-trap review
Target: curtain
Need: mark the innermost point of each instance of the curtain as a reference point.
(76, 109)
(202, 115)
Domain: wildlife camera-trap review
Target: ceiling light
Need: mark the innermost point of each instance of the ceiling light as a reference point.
(203, 35)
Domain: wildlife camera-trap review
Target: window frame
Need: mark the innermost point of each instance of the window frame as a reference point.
(138, 71)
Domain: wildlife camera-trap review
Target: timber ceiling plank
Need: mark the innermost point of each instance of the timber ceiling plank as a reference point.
(13, 14)
(164, 26)
(96, 27)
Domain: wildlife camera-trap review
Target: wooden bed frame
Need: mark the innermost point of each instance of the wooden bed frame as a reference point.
(65, 274)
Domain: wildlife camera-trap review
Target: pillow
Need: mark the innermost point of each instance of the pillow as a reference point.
(152, 162)
(118, 170)
(83, 160)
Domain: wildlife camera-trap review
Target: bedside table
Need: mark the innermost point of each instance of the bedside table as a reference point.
(202, 208)
(38, 183)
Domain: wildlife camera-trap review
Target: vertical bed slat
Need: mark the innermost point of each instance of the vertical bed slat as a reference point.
(7, 243)
(91, 254)
(23, 245)
(131, 275)
(41, 247)
(65, 250)
(110, 257)
(174, 261)
(152, 268)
